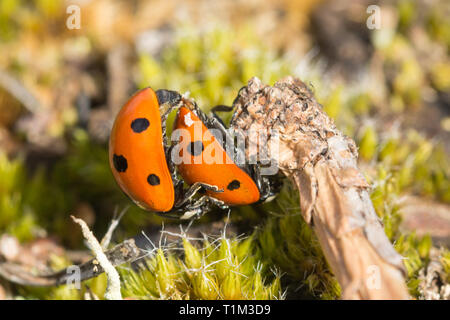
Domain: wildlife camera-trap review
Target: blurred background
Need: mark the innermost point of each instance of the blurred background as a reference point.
(67, 67)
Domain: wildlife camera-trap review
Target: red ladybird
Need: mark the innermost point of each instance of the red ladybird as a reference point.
(137, 156)
(205, 160)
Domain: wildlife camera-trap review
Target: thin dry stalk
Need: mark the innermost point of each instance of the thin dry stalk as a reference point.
(113, 287)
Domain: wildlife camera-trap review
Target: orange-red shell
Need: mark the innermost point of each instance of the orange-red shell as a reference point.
(210, 163)
(136, 153)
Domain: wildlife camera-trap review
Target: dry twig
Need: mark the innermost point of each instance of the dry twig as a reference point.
(113, 288)
(335, 201)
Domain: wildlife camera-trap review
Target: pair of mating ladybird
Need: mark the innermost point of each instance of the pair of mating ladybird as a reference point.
(141, 159)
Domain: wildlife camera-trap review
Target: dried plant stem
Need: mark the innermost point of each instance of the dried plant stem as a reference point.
(334, 196)
(113, 288)
(114, 224)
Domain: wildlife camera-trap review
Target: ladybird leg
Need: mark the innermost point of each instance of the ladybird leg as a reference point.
(195, 210)
(207, 200)
(218, 203)
(198, 185)
(193, 189)
(215, 117)
(188, 209)
(221, 108)
(269, 187)
(198, 208)
(263, 183)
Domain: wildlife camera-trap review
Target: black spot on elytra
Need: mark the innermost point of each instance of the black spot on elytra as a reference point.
(167, 96)
(120, 163)
(233, 185)
(153, 179)
(195, 148)
(140, 124)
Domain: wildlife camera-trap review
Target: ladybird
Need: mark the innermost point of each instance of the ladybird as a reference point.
(138, 157)
(205, 159)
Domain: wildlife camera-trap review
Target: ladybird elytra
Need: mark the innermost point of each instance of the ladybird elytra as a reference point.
(137, 155)
(238, 187)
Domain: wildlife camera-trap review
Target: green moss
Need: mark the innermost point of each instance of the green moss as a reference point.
(291, 245)
(440, 74)
(8, 10)
(401, 169)
(360, 104)
(18, 214)
(407, 12)
(222, 269)
(445, 261)
(209, 66)
(411, 162)
(213, 65)
(416, 251)
(333, 105)
(438, 26)
(368, 143)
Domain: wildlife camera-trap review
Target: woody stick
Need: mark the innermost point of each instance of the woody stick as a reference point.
(334, 195)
